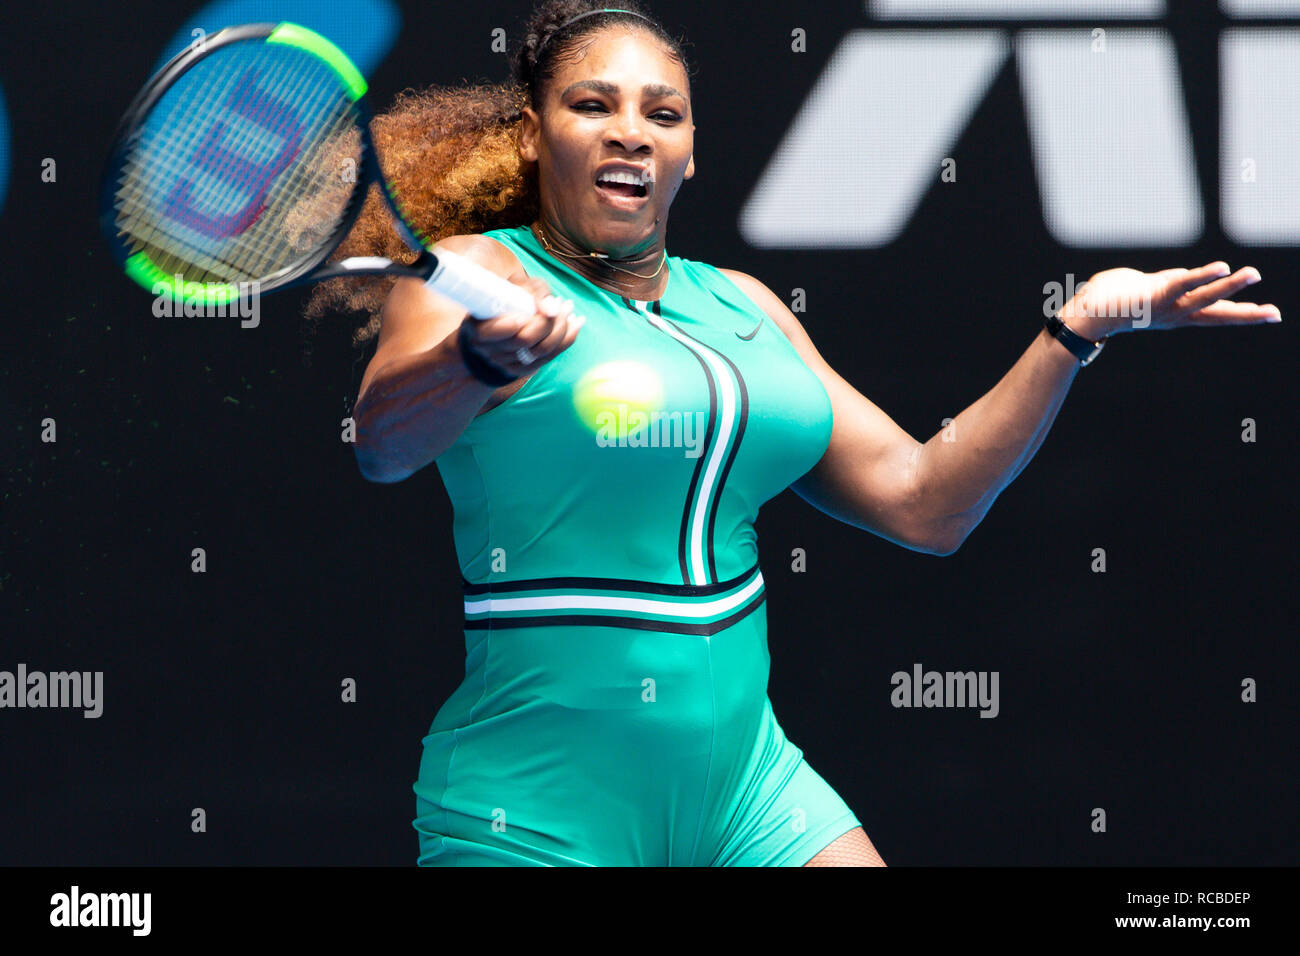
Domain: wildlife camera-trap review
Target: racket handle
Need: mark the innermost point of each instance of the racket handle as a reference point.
(484, 293)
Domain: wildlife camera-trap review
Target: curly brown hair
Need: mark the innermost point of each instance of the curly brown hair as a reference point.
(452, 154)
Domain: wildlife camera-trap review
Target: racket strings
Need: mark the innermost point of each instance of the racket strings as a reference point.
(259, 252)
(253, 252)
(165, 151)
(139, 196)
(239, 171)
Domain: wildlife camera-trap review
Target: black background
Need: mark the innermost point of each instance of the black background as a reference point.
(222, 690)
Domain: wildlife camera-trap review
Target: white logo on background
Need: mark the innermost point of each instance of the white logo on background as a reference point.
(1105, 111)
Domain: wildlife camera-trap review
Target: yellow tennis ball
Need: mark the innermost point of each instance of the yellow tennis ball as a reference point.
(615, 399)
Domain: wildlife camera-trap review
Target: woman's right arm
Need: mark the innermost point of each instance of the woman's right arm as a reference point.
(416, 395)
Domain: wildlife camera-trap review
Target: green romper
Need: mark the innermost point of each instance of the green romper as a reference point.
(614, 710)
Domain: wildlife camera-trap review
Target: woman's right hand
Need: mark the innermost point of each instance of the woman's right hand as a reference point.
(545, 334)
(417, 395)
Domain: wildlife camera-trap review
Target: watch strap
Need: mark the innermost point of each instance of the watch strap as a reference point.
(1085, 350)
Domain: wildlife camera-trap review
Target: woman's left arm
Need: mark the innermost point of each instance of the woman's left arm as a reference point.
(952, 484)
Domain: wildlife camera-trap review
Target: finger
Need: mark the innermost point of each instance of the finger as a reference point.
(530, 334)
(520, 277)
(487, 332)
(1181, 281)
(1235, 313)
(544, 301)
(560, 336)
(571, 334)
(542, 325)
(511, 325)
(1220, 289)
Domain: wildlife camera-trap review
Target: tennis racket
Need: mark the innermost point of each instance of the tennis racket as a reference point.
(247, 160)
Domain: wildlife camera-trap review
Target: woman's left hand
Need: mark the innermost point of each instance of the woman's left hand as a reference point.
(1126, 300)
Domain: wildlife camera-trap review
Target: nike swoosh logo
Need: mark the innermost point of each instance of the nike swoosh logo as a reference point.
(751, 334)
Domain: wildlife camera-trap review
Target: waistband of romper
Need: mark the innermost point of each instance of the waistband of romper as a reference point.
(613, 602)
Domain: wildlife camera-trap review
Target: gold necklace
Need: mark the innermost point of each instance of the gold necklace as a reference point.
(596, 255)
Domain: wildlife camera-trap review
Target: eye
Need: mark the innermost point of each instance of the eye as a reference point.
(665, 116)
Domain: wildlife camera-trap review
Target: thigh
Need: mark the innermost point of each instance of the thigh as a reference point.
(439, 850)
(487, 840)
(783, 812)
(851, 849)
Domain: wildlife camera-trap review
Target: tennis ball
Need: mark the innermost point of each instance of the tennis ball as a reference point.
(615, 399)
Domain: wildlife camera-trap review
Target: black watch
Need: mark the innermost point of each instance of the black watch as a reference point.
(1083, 349)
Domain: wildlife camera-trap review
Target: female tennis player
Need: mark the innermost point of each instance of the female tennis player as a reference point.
(606, 458)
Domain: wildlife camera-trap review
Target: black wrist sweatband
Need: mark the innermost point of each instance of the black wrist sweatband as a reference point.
(1085, 350)
(479, 367)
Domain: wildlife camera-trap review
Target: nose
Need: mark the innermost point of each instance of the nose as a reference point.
(628, 130)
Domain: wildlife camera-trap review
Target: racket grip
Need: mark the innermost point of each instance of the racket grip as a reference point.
(484, 293)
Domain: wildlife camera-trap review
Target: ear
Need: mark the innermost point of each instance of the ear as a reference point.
(690, 167)
(529, 129)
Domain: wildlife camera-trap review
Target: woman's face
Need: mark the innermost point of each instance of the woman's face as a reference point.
(622, 100)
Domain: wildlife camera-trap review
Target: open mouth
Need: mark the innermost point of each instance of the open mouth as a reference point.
(622, 189)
